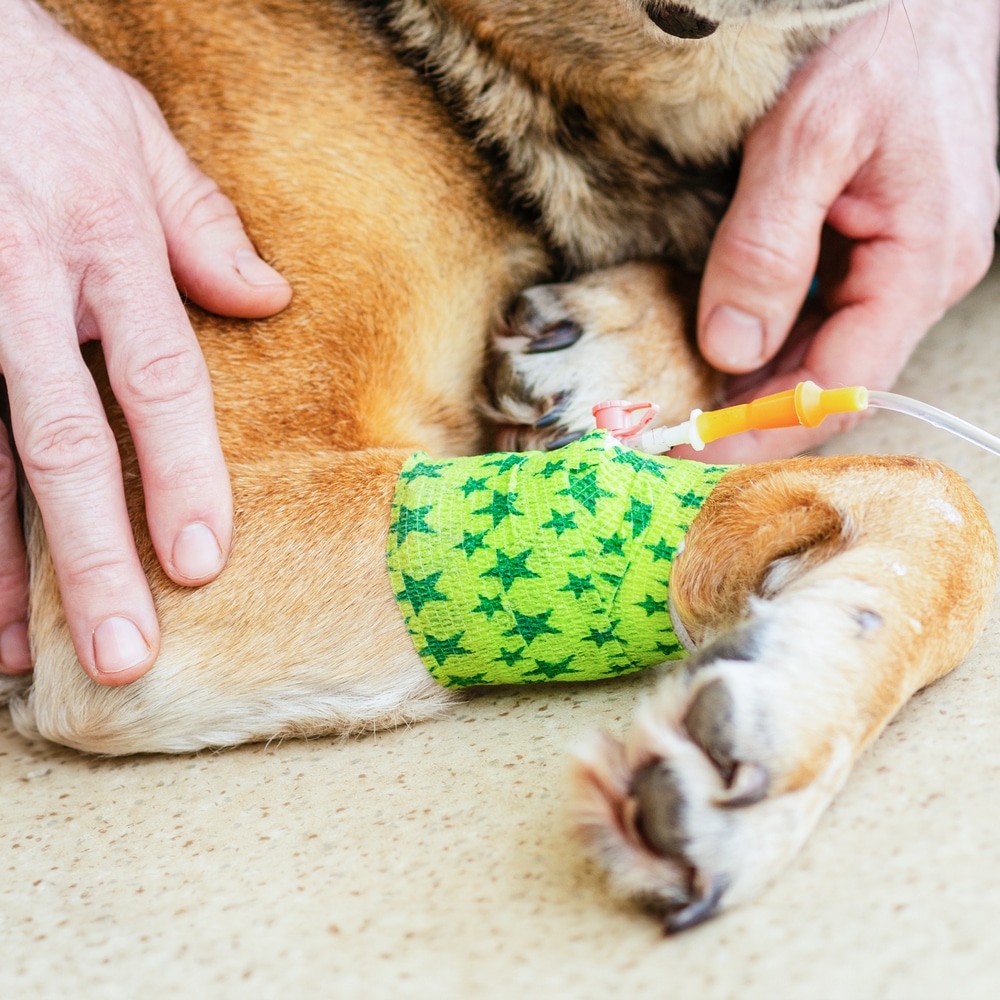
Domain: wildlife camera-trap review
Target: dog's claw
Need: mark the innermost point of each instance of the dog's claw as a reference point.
(749, 785)
(564, 440)
(557, 337)
(552, 416)
(697, 911)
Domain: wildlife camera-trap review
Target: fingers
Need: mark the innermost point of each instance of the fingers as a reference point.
(69, 454)
(765, 252)
(213, 260)
(896, 155)
(866, 342)
(70, 460)
(15, 656)
(97, 203)
(159, 378)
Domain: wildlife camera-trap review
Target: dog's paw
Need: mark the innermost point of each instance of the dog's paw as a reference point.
(620, 333)
(714, 790)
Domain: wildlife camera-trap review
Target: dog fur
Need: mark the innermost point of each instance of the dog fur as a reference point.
(413, 167)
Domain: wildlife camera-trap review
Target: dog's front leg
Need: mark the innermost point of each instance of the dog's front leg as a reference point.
(820, 594)
(301, 635)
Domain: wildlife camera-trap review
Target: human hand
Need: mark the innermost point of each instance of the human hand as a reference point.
(888, 138)
(98, 203)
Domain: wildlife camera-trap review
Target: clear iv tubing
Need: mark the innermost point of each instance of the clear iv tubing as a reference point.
(946, 421)
(807, 405)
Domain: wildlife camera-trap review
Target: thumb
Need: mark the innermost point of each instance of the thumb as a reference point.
(212, 259)
(765, 251)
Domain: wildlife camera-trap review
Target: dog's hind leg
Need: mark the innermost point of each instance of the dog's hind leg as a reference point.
(301, 635)
(820, 595)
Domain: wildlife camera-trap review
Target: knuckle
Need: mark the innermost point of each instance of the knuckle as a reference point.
(95, 569)
(142, 101)
(973, 255)
(970, 219)
(771, 260)
(813, 127)
(180, 475)
(27, 288)
(13, 584)
(67, 442)
(204, 205)
(990, 196)
(162, 378)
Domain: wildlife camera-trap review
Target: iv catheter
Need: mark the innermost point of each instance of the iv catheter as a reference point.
(807, 405)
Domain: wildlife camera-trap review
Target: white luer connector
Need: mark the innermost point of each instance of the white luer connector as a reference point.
(659, 440)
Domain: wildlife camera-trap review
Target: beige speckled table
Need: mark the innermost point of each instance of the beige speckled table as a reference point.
(438, 862)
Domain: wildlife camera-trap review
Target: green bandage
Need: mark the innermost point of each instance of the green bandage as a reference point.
(515, 568)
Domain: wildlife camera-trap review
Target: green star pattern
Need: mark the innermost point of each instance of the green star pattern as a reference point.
(442, 649)
(488, 606)
(519, 568)
(638, 515)
(530, 627)
(671, 650)
(641, 462)
(551, 468)
(409, 519)
(472, 485)
(652, 606)
(429, 469)
(550, 671)
(599, 637)
(579, 585)
(511, 568)
(583, 488)
(615, 545)
(501, 507)
(510, 656)
(690, 499)
(471, 542)
(561, 522)
(469, 680)
(663, 551)
(504, 462)
(418, 591)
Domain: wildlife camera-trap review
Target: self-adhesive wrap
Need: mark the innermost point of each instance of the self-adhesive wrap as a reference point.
(515, 568)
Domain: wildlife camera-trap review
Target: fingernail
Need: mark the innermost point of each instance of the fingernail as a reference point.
(197, 553)
(118, 646)
(734, 340)
(256, 272)
(15, 653)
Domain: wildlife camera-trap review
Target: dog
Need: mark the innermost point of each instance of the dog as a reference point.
(460, 188)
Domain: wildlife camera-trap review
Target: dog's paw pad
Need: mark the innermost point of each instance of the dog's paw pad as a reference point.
(711, 794)
(711, 724)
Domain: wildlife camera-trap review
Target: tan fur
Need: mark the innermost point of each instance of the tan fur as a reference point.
(829, 589)
(821, 593)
